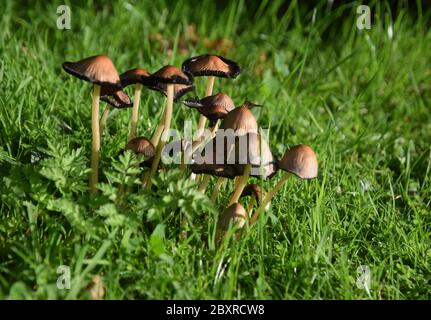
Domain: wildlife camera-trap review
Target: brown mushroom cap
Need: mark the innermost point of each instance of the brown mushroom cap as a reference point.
(234, 214)
(179, 89)
(211, 65)
(116, 98)
(240, 118)
(234, 164)
(167, 74)
(301, 161)
(133, 76)
(97, 69)
(141, 145)
(212, 107)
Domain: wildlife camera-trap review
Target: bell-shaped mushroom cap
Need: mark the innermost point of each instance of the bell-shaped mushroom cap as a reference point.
(211, 65)
(212, 107)
(240, 119)
(179, 89)
(244, 150)
(116, 98)
(167, 74)
(141, 145)
(234, 214)
(97, 69)
(301, 161)
(133, 76)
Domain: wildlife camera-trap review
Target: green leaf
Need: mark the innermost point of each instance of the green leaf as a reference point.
(156, 242)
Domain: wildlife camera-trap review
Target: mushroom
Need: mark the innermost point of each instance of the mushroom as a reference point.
(130, 77)
(170, 76)
(117, 99)
(259, 156)
(142, 146)
(212, 107)
(256, 193)
(241, 120)
(241, 156)
(234, 215)
(210, 66)
(100, 71)
(300, 161)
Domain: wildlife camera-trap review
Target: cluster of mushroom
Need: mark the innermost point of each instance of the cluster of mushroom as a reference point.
(236, 151)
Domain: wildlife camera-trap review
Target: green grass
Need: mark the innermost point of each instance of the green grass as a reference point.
(359, 98)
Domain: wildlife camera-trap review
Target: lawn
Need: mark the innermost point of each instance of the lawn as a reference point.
(359, 98)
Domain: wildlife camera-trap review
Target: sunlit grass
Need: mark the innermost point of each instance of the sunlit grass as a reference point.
(359, 98)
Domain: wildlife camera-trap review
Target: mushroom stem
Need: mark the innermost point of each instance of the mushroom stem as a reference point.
(236, 181)
(157, 134)
(154, 140)
(104, 119)
(95, 146)
(217, 187)
(208, 92)
(204, 183)
(186, 155)
(164, 136)
(268, 198)
(251, 205)
(135, 110)
(241, 185)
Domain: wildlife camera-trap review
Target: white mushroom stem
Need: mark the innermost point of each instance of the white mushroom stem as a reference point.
(217, 187)
(208, 92)
(241, 185)
(268, 198)
(135, 111)
(104, 119)
(95, 146)
(165, 134)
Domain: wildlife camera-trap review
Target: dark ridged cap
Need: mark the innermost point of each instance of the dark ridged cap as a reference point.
(211, 65)
(212, 107)
(97, 69)
(116, 98)
(167, 74)
(133, 76)
(179, 89)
